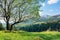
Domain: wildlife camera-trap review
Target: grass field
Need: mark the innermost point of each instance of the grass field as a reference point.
(30, 35)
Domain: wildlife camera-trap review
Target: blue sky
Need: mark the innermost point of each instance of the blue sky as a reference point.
(50, 7)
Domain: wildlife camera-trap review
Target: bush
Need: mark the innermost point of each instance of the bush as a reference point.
(1, 26)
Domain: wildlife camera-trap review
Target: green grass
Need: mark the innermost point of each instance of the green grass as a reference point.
(29, 35)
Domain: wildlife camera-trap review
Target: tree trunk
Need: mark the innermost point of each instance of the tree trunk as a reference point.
(14, 24)
(11, 27)
(7, 25)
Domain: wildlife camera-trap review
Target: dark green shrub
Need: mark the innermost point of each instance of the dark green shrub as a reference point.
(1, 26)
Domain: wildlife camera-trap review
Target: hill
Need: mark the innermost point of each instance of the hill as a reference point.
(50, 18)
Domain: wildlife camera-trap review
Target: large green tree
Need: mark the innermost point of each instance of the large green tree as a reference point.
(19, 11)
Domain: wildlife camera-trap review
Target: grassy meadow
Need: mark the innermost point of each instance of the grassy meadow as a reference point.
(20, 35)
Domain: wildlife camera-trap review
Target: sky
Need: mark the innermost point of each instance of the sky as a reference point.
(50, 7)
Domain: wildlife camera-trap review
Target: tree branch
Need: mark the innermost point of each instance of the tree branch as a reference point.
(20, 4)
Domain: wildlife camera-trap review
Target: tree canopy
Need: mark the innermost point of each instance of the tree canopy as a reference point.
(19, 10)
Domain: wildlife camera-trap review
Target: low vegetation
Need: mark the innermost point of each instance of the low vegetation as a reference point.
(20, 35)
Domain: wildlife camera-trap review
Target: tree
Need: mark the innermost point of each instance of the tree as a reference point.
(18, 11)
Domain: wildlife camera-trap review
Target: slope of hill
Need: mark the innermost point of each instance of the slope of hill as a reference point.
(50, 18)
(30, 35)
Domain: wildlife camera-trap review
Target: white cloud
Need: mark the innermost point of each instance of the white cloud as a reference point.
(52, 1)
(51, 10)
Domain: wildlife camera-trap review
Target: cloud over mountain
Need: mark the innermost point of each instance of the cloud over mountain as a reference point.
(52, 1)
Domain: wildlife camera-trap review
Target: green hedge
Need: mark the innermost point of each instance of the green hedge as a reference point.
(1, 26)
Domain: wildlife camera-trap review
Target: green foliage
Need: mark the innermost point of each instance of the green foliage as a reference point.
(29, 1)
(19, 9)
(31, 8)
(1, 26)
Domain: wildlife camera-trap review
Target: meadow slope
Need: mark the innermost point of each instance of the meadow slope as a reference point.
(29, 35)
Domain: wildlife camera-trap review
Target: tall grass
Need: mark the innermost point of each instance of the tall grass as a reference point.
(29, 35)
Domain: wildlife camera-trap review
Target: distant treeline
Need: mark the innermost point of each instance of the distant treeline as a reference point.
(51, 26)
(38, 27)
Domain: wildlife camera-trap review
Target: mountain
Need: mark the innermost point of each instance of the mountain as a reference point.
(55, 17)
(49, 18)
(44, 18)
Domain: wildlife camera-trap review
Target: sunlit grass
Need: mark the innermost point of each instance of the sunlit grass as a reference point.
(19, 35)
